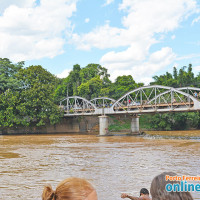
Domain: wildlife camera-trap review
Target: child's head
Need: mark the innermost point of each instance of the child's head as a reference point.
(70, 189)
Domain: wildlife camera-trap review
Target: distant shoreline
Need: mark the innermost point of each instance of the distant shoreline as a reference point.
(180, 133)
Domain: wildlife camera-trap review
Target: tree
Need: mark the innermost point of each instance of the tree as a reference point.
(80, 82)
(177, 121)
(8, 109)
(122, 85)
(93, 70)
(91, 88)
(189, 76)
(181, 78)
(37, 96)
(8, 73)
(175, 73)
(197, 81)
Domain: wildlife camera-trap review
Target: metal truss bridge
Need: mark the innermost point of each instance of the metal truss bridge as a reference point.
(147, 99)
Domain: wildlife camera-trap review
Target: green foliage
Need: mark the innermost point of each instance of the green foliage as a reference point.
(145, 122)
(171, 121)
(176, 121)
(30, 96)
(179, 78)
(8, 75)
(119, 125)
(122, 85)
(89, 82)
(91, 88)
(84, 90)
(37, 97)
(93, 81)
(30, 102)
(8, 103)
(193, 120)
(93, 70)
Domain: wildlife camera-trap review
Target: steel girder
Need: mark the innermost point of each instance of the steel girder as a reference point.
(147, 99)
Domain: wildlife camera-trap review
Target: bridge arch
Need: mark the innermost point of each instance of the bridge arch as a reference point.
(155, 98)
(186, 91)
(101, 102)
(75, 105)
(190, 90)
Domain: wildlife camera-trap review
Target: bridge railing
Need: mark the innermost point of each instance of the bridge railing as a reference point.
(146, 99)
(76, 105)
(103, 102)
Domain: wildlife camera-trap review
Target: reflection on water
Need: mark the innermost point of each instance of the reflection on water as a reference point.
(113, 164)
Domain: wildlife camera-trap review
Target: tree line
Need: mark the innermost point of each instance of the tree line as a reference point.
(184, 77)
(29, 96)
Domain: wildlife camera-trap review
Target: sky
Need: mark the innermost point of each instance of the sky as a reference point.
(142, 38)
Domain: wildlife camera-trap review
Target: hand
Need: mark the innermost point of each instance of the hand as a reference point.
(124, 195)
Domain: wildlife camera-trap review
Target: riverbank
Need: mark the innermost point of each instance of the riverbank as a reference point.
(185, 133)
(90, 125)
(122, 124)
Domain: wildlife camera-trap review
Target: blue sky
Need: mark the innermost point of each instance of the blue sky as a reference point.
(142, 38)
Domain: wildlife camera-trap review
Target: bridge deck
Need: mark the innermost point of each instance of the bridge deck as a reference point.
(134, 108)
(188, 104)
(152, 98)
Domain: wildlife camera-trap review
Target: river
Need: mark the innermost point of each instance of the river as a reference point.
(113, 164)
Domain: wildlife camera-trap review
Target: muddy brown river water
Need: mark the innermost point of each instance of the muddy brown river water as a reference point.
(113, 164)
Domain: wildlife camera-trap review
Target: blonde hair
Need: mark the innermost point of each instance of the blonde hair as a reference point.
(69, 189)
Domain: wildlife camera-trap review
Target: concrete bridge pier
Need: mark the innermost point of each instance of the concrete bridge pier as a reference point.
(103, 125)
(135, 127)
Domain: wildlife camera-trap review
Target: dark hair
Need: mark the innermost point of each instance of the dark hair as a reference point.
(144, 191)
(158, 191)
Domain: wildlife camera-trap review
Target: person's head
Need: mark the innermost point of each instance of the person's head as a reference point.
(158, 190)
(70, 189)
(144, 191)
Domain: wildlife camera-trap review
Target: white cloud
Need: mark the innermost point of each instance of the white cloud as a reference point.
(196, 20)
(188, 56)
(197, 68)
(30, 32)
(101, 37)
(141, 71)
(64, 74)
(20, 3)
(173, 37)
(108, 2)
(143, 21)
(87, 20)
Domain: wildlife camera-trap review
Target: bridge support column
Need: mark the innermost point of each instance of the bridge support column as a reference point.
(135, 127)
(103, 125)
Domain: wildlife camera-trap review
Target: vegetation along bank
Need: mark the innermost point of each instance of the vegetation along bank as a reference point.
(29, 96)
